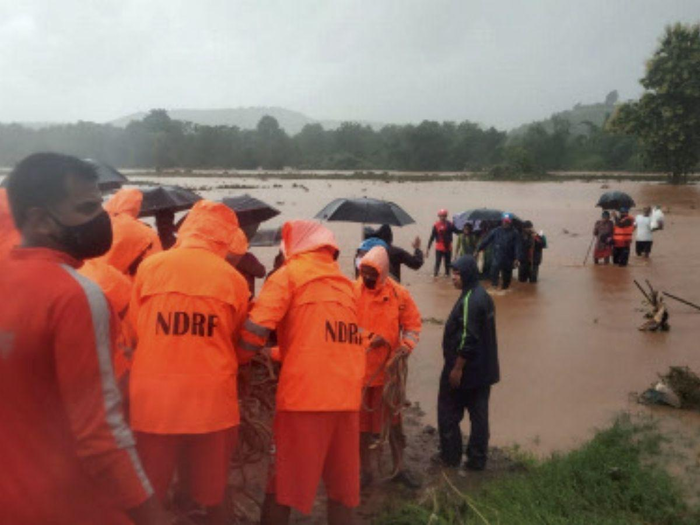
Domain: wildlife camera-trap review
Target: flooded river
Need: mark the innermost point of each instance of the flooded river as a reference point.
(569, 347)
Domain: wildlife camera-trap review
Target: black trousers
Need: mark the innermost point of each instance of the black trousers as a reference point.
(621, 256)
(439, 257)
(528, 272)
(642, 247)
(502, 272)
(451, 406)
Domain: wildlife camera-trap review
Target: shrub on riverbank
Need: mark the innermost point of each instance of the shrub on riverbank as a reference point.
(610, 480)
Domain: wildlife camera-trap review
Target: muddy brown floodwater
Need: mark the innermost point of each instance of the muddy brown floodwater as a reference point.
(569, 346)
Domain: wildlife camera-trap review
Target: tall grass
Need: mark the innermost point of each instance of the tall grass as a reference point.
(609, 480)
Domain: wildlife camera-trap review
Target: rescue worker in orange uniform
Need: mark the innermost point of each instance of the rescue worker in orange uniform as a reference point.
(130, 234)
(67, 455)
(391, 325)
(312, 306)
(188, 306)
(623, 232)
(9, 236)
(117, 289)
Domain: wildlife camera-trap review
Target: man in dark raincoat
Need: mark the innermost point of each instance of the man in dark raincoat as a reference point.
(397, 256)
(505, 251)
(471, 366)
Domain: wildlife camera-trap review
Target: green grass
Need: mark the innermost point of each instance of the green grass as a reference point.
(612, 479)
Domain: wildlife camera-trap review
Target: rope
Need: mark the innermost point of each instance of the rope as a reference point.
(257, 388)
(393, 403)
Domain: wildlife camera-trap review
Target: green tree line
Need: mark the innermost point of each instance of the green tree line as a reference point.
(157, 141)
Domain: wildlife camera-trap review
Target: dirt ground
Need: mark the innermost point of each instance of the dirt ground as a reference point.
(569, 346)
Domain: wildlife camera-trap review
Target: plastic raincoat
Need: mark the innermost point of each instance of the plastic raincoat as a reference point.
(188, 306)
(386, 312)
(312, 306)
(130, 235)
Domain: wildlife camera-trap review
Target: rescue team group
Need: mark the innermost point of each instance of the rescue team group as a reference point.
(90, 299)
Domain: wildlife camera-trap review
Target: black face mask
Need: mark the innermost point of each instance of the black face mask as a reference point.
(370, 285)
(88, 240)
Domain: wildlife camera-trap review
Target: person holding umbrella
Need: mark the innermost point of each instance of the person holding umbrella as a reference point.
(506, 251)
(622, 237)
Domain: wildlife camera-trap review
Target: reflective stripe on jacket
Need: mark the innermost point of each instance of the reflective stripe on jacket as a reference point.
(67, 454)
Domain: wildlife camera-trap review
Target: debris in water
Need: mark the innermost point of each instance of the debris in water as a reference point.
(679, 388)
(657, 313)
(433, 320)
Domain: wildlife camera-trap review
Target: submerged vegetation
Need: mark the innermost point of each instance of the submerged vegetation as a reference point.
(614, 478)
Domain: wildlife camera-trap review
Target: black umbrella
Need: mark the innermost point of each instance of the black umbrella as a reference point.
(614, 200)
(108, 178)
(482, 215)
(167, 198)
(365, 210)
(250, 210)
(267, 237)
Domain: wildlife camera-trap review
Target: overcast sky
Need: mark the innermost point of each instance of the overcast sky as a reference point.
(497, 62)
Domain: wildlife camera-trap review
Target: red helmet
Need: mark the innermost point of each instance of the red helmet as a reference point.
(442, 213)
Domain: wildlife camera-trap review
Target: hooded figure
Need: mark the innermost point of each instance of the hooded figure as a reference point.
(397, 256)
(471, 366)
(188, 307)
(130, 235)
(391, 321)
(506, 248)
(312, 306)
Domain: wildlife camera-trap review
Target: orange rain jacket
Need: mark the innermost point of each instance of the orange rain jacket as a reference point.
(131, 237)
(188, 306)
(312, 306)
(67, 455)
(9, 236)
(387, 312)
(117, 288)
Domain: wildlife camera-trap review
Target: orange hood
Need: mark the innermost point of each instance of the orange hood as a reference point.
(127, 201)
(129, 242)
(377, 258)
(306, 236)
(214, 227)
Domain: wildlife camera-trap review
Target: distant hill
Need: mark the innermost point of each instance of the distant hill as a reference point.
(245, 118)
(578, 117)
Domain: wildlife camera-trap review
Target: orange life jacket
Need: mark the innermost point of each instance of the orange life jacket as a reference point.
(387, 312)
(188, 305)
(623, 232)
(312, 306)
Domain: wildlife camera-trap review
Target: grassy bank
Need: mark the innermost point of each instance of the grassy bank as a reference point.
(613, 479)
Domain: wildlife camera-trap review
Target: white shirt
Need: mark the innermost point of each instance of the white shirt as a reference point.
(643, 225)
(657, 219)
